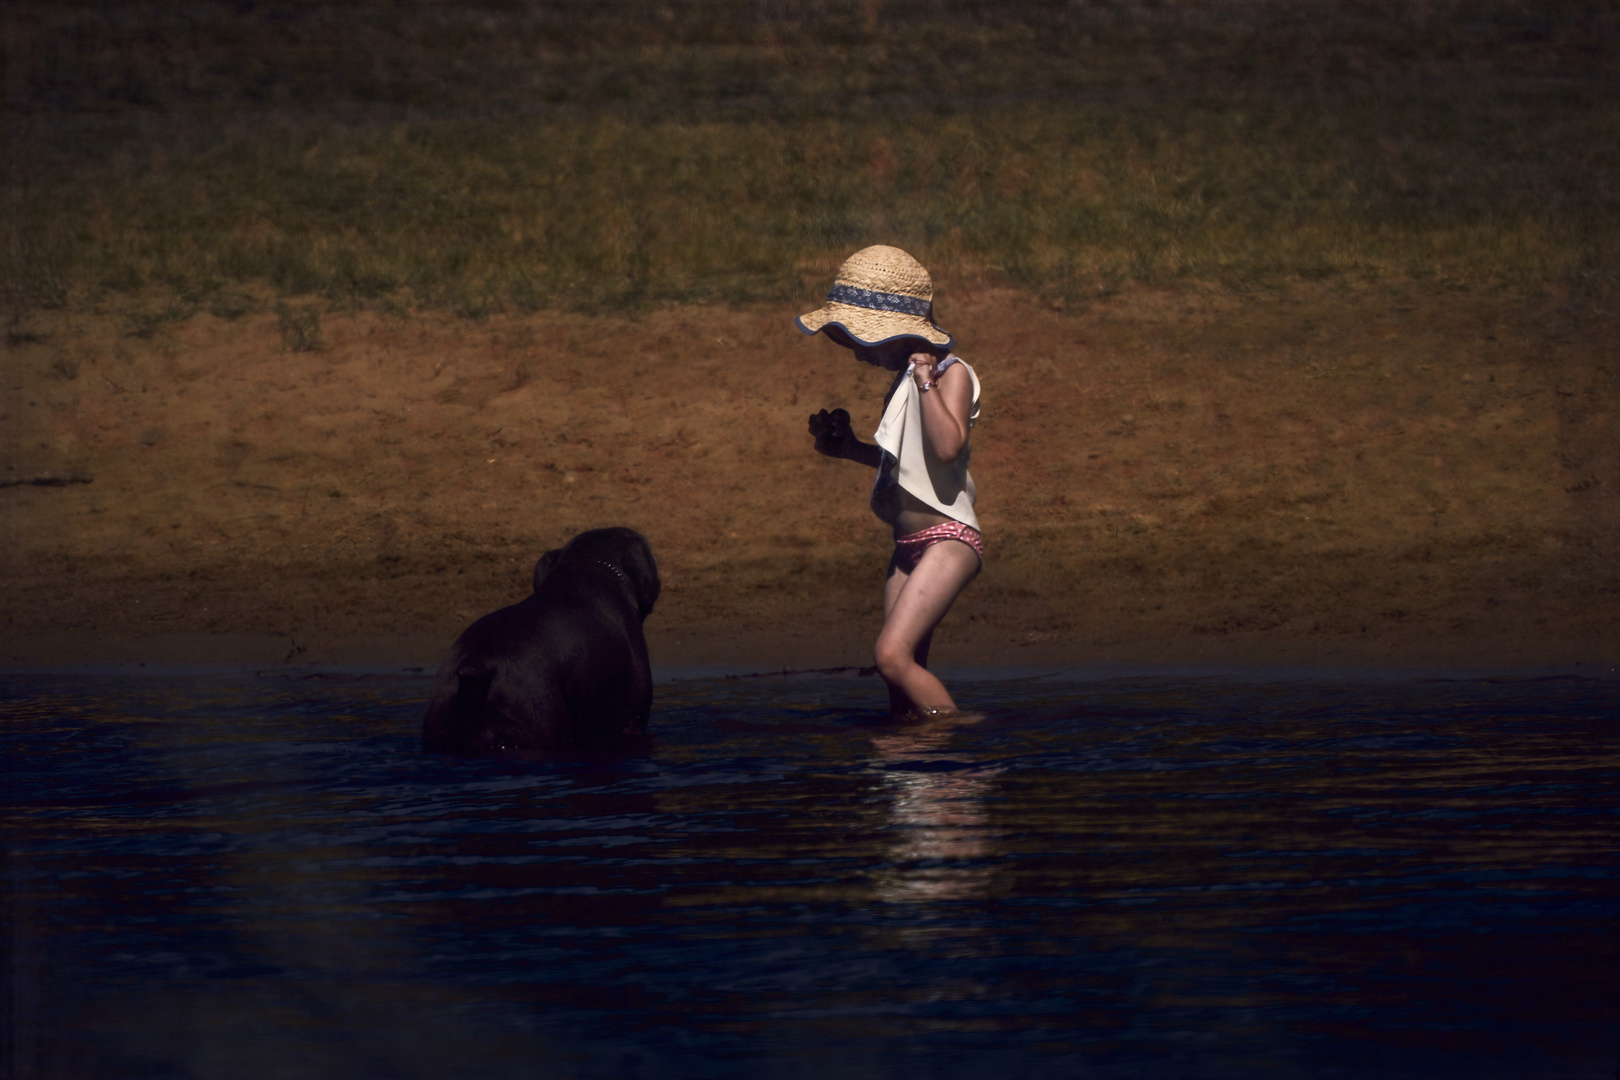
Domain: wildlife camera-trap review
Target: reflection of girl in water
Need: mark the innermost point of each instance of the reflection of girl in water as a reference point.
(881, 307)
(941, 840)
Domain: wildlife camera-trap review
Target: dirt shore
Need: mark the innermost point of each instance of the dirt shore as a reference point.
(1315, 476)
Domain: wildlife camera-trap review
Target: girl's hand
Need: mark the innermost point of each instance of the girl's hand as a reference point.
(922, 371)
(831, 432)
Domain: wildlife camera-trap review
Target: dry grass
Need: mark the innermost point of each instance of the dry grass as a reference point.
(613, 155)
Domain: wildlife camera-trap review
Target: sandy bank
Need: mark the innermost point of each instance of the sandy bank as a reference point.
(1317, 476)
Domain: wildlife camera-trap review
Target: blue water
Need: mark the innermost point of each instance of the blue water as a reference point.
(239, 874)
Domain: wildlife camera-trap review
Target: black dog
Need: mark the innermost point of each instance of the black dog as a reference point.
(565, 668)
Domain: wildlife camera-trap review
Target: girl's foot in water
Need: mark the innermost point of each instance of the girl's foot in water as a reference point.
(939, 714)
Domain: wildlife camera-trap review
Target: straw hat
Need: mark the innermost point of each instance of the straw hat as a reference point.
(881, 293)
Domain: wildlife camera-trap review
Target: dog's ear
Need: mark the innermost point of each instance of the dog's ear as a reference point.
(642, 568)
(544, 565)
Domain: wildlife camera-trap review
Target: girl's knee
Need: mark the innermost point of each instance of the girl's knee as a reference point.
(892, 658)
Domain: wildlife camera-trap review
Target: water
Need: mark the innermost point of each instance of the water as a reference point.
(233, 874)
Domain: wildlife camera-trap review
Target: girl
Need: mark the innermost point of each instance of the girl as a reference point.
(881, 307)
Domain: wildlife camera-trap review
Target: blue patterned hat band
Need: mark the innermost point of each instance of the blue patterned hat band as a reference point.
(878, 301)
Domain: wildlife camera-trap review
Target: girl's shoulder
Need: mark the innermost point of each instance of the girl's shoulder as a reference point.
(954, 363)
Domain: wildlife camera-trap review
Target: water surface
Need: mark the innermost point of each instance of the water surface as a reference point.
(244, 874)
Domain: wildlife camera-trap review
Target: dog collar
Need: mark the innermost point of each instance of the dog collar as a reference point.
(617, 572)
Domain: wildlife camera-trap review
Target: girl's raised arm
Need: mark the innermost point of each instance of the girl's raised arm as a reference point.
(945, 407)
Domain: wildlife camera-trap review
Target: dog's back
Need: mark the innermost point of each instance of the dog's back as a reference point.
(469, 712)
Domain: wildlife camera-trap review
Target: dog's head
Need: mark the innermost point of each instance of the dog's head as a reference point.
(624, 549)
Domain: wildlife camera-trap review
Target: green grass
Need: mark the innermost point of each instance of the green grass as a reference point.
(615, 155)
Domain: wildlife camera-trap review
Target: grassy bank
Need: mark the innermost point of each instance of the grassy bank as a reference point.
(1296, 319)
(595, 156)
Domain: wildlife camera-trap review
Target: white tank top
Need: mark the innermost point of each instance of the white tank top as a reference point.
(910, 462)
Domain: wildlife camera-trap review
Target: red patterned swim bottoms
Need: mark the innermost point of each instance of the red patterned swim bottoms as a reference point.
(908, 549)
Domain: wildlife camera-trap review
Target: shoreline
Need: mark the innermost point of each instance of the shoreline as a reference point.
(969, 675)
(793, 653)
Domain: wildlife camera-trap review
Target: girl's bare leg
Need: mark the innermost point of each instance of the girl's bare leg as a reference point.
(913, 604)
(899, 703)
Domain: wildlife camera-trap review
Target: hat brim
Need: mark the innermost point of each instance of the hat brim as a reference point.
(869, 327)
